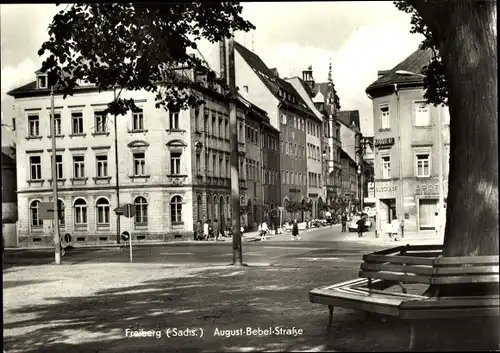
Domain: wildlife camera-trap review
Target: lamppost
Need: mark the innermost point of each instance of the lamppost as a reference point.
(360, 186)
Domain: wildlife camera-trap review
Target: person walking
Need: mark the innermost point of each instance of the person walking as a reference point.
(343, 219)
(264, 230)
(216, 230)
(206, 230)
(198, 231)
(295, 231)
(361, 226)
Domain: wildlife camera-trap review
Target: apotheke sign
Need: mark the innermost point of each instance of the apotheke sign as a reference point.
(429, 189)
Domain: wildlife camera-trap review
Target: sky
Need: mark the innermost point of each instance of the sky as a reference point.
(359, 38)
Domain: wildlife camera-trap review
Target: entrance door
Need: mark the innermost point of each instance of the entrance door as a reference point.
(426, 209)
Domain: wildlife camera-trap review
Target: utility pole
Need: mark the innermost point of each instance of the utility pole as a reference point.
(117, 175)
(233, 128)
(400, 153)
(57, 242)
(441, 182)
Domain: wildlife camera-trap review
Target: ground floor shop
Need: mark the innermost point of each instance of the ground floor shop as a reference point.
(416, 203)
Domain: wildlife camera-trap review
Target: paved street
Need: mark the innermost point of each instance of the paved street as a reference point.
(87, 304)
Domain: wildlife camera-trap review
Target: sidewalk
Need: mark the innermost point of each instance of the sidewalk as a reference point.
(412, 238)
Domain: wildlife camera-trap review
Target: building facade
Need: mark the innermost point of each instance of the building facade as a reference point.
(173, 166)
(411, 146)
(9, 196)
(288, 114)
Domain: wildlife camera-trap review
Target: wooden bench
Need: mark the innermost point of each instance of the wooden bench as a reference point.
(405, 265)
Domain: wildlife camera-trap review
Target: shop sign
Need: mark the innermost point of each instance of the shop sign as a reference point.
(430, 189)
(385, 187)
(371, 189)
(389, 141)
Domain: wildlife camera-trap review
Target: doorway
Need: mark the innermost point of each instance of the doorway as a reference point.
(426, 211)
(387, 212)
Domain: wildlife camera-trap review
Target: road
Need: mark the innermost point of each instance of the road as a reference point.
(317, 246)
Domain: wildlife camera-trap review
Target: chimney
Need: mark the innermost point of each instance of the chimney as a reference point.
(381, 73)
(222, 59)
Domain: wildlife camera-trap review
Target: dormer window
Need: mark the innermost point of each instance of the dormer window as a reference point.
(41, 81)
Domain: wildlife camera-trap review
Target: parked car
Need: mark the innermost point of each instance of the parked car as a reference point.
(353, 224)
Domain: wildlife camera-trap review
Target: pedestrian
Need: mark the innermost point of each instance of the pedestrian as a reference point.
(198, 231)
(206, 230)
(295, 231)
(265, 230)
(395, 228)
(216, 230)
(361, 226)
(344, 222)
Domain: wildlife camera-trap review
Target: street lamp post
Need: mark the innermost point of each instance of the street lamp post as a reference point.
(360, 186)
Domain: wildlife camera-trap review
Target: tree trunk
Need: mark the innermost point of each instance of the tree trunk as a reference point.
(465, 33)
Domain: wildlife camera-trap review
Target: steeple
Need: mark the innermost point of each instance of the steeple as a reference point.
(330, 71)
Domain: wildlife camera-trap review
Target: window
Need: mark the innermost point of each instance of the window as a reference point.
(197, 119)
(139, 164)
(385, 122)
(100, 122)
(102, 210)
(78, 167)
(62, 213)
(221, 166)
(173, 120)
(221, 128)
(77, 121)
(214, 128)
(141, 211)
(198, 163)
(423, 165)
(36, 222)
(33, 126)
(59, 166)
(57, 124)
(36, 168)
(137, 120)
(13, 124)
(422, 116)
(175, 163)
(102, 166)
(283, 119)
(386, 167)
(176, 209)
(80, 212)
(42, 81)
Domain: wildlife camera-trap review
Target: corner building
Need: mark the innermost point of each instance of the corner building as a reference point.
(407, 138)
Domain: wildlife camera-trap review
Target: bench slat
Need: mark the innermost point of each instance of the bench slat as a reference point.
(448, 313)
(465, 279)
(376, 291)
(397, 268)
(411, 260)
(466, 270)
(492, 260)
(432, 254)
(452, 302)
(395, 277)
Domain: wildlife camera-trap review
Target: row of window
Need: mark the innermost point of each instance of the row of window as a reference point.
(313, 152)
(299, 179)
(100, 122)
(300, 124)
(422, 165)
(139, 165)
(422, 116)
(102, 212)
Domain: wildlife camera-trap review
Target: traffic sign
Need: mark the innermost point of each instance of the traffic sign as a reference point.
(46, 211)
(128, 210)
(125, 236)
(118, 211)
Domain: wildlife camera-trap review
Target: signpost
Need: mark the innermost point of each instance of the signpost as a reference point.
(128, 211)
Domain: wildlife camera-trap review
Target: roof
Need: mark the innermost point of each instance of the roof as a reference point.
(8, 155)
(272, 81)
(345, 155)
(413, 63)
(300, 87)
(259, 112)
(348, 117)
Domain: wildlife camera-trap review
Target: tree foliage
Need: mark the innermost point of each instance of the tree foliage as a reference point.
(435, 84)
(135, 47)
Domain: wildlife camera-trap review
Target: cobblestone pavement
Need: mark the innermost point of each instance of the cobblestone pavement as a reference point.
(88, 307)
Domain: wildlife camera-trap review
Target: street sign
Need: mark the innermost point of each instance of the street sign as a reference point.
(118, 211)
(46, 211)
(125, 236)
(128, 210)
